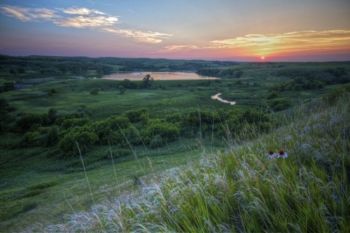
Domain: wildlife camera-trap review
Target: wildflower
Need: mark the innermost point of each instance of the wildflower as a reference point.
(272, 155)
(282, 154)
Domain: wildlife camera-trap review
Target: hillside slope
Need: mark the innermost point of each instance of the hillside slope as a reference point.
(241, 190)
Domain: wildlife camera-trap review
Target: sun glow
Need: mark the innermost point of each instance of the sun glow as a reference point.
(299, 42)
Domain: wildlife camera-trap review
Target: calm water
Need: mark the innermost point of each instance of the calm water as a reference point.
(135, 76)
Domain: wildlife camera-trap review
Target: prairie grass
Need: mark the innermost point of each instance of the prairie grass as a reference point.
(241, 190)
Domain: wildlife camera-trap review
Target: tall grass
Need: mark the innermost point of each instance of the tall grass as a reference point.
(242, 190)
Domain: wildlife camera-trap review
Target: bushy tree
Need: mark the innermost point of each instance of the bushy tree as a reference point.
(84, 136)
(157, 128)
(108, 130)
(28, 121)
(73, 122)
(140, 115)
(128, 84)
(147, 81)
(33, 138)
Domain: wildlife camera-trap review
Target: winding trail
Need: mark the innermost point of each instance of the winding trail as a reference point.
(218, 98)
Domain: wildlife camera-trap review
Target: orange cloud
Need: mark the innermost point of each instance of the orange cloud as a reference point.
(301, 41)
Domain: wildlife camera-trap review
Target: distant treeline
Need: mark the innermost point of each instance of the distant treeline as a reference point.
(42, 66)
(222, 73)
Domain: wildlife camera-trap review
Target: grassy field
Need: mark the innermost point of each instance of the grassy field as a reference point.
(39, 181)
(38, 187)
(242, 190)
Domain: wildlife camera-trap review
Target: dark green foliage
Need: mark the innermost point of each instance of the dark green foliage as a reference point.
(157, 141)
(52, 136)
(108, 131)
(311, 78)
(127, 84)
(140, 115)
(29, 121)
(336, 94)
(147, 81)
(95, 91)
(4, 105)
(122, 89)
(338, 72)
(272, 95)
(298, 84)
(131, 135)
(7, 86)
(51, 116)
(200, 121)
(157, 128)
(5, 118)
(83, 136)
(279, 104)
(32, 138)
(223, 73)
(238, 122)
(51, 92)
(42, 136)
(73, 122)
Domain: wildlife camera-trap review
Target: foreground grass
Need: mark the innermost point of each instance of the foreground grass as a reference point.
(242, 190)
(40, 188)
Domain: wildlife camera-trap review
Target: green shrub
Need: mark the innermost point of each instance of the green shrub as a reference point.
(157, 141)
(51, 116)
(245, 125)
(74, 122)
(167, 131)
(140, 115)
(32, 139)
(52, 136)
(122, 89)
(272, 95)
(29, 121)
(196, 121)
(132, 135)
(84, 136)
(336, 94)
(108, 131)
(279, 104)
(128, 84)
(298, 84)
(94, 91)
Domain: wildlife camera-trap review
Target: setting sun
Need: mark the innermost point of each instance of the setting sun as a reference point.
(262, 58)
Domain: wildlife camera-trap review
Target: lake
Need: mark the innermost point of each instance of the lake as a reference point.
(136, 76)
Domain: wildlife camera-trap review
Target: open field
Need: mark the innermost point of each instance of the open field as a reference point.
(146, 127)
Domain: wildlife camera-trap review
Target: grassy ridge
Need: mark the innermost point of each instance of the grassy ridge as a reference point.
(37, 182)
(242, 190)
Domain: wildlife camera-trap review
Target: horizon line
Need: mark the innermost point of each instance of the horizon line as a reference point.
(177, 59)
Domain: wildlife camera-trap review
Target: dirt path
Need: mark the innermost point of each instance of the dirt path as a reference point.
(218, 98)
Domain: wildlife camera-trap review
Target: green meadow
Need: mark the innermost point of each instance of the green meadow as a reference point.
(72, 142)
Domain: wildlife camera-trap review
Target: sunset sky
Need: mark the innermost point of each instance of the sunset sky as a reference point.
(242, 30)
